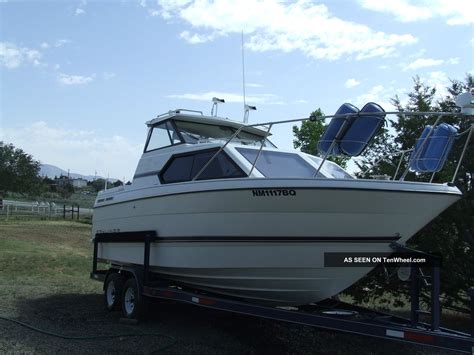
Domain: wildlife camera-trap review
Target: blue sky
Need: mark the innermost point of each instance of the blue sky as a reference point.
(80, 78)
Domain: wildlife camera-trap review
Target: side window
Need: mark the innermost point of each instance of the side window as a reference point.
(185, 167)
(161, 136)
(221, 167)
(179, 169)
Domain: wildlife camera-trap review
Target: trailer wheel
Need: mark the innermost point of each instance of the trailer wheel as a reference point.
(113, 290)
(133, 303)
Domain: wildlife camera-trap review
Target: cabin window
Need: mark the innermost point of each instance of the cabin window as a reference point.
(278, 164)
(184, 167)
(162, 135)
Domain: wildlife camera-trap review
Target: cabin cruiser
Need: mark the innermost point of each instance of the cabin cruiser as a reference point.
(237, 216)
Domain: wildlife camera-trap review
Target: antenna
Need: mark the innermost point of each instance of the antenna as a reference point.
(243, 78)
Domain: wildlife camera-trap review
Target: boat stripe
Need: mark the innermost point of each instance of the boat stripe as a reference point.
(250, 189)
(118, 238)
(366, 239)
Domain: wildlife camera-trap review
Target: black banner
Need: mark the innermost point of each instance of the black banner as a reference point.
(359, 259)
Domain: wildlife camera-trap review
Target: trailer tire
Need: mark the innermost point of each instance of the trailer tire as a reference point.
(113, 290)
(133, 303)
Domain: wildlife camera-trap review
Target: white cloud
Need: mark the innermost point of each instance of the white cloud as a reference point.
(454, 60)
(61, 42)
(197, 38)
(274, 25)
(454, 12)
(350, 83)
(79, 11)
(12, 56)
(423, 63)
(268, 99)
(114, 155)
(169, 6)
(380, 95)
(374, 94)
(418, 54)
(57, 44)
(153, 12)
(253, 85)
(439, 80)
(66, 79)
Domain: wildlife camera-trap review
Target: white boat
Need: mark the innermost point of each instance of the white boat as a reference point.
(236, 216)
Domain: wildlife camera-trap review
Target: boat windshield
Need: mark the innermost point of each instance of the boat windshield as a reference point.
(279, 164)
(194, 133)
(332, 169)
(284, 165)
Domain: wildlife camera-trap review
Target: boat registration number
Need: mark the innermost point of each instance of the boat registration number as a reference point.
(273, 192)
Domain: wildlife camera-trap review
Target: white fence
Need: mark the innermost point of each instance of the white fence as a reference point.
(43, 209)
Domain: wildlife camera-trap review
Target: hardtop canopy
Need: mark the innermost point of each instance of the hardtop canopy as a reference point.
(198, 117)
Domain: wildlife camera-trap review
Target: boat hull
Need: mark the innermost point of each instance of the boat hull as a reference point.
(266, 243)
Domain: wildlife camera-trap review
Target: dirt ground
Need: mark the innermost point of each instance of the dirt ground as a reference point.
(49, 298)
(193, 331)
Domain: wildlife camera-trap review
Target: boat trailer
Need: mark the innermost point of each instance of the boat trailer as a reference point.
(328, 314)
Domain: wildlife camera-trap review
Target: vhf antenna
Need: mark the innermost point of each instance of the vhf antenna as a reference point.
(243, 78)
(247, 108)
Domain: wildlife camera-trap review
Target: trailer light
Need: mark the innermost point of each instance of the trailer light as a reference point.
(422, 338)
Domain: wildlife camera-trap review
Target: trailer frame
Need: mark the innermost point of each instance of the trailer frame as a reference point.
(328, 314)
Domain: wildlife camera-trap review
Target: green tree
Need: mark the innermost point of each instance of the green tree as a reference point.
(308, 135)
(452, 233)
(19, 172)
(463, 123)
(380, 157)
(98, 184)
(49, 184)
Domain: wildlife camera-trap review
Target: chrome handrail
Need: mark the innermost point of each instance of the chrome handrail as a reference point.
(260, 149)
(463, 151)
(321, 118)
(385, 156)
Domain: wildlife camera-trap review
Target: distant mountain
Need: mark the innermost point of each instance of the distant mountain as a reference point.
(52, 171)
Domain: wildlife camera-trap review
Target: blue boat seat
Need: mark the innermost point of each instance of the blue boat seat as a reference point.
(336, 129)
(416, 163)
(435, 151)
(362, 130)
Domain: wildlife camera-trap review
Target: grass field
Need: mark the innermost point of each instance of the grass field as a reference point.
(46, 254)
(44, 281)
